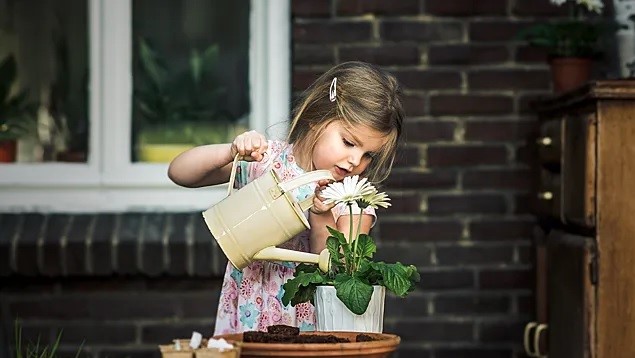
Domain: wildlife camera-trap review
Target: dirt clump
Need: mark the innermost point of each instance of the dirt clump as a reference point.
(283, 329)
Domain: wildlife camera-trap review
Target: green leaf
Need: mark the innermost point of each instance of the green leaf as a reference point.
(196, 66)
(333, 246)
(365, 246)
(151, 64)
(302, 287)
(396, 277)
(354, 293)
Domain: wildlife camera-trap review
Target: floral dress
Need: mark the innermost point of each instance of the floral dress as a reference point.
(251, 299)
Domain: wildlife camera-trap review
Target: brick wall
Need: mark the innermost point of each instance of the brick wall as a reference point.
(460, 197)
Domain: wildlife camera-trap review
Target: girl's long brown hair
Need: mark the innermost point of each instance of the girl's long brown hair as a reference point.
(366, 96)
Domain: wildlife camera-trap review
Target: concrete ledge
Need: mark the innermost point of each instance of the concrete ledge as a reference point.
(103, 244)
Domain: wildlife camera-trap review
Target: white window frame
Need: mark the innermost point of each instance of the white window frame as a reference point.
(109, 181)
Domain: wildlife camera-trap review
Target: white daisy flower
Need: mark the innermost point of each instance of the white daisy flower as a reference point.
(592, 5)
(347, 191)
(374, 200)
(558, 2)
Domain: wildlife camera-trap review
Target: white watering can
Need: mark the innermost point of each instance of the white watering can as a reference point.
(250, 222)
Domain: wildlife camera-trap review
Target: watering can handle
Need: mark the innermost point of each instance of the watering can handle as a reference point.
(303, 179)
(232, 175)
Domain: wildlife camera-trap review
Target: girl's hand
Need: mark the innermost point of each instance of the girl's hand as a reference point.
(319, 207)
(251, 145)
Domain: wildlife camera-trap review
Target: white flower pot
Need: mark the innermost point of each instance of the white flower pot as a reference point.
(332, 315)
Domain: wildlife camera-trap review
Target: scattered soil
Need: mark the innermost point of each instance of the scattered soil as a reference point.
(288, 334)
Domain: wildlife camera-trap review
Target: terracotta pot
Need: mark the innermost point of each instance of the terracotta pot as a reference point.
(569, 73)
(332, 315)
(383, 345)
(7, 151)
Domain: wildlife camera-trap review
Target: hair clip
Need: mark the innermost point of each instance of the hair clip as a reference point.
(333, 90)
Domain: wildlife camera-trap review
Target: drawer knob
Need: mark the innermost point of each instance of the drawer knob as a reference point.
(545, 195)
(545, 141)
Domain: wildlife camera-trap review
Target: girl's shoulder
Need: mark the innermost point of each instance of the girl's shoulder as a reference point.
(277, 156)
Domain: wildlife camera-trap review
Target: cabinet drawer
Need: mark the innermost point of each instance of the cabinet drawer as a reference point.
(578, 169)
(550, 143)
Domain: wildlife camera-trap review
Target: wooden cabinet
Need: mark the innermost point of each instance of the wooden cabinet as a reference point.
(585, 203)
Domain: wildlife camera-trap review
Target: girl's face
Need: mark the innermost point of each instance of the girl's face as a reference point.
(346, 151)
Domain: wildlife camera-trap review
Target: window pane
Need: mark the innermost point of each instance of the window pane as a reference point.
(44, 80)
(190, 69)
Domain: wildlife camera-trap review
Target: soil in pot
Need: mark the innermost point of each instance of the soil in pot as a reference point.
(288, 334)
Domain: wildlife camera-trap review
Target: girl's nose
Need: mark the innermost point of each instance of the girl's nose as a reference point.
(355, 158)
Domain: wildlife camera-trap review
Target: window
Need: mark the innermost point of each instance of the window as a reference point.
(240, 50)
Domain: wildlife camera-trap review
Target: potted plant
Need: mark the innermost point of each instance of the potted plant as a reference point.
(354, 281)
(66, 105)
(178, 109)
(17, 113)
(572, 44)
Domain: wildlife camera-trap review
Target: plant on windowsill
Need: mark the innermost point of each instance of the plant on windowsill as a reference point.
(358, 282)
(177, 109)
(572, 44)
(17, 113)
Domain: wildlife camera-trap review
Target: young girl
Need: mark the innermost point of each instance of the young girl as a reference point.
(348, 122)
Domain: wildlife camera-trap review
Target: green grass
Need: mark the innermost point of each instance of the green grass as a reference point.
(37, 350)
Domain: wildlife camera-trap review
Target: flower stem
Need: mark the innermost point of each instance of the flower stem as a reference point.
(350, 236)
(359, 228)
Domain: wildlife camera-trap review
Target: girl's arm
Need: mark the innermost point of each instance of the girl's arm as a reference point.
(319, 232)
(201, 166)
(211, 164)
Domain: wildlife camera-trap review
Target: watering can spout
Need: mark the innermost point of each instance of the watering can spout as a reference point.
(277, 254)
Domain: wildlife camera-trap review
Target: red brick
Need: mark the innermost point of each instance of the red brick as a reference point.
(451, 352)
(466, 54)
(455, 104)
(429, 131)
(500, 130)
(526, 102)
(420, 231)
(314, 55)
(498, 179)
(311, 8)
(474, 255)
(466, 155)
(405, 203)
(384, 55)
(501, 229)
(470, 305)
(466, 7)
(416, 79)
(530, 54)
(466, 203)
(325, 32)
(414, 105)
(508, 79)
(433, 332)
(407, 157)
(506, 279)
(502, 332)
(523, 203)
(377, 7)
(447, 279)
(495, 30)
(407, 179)
(537, 8)
(302, 79)
(419, 254)
(401, 31)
